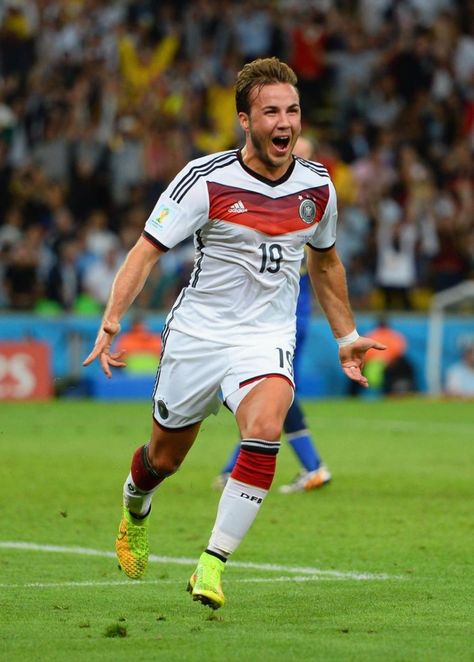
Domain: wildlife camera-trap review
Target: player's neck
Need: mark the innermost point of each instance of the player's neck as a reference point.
(254, 163)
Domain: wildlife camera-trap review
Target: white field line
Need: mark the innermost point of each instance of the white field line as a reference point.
(310, 572)
(159, 582)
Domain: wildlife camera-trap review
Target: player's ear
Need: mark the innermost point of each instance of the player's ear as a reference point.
(244, 121)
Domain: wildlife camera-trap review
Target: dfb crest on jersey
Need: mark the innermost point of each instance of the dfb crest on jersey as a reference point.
(307, 211)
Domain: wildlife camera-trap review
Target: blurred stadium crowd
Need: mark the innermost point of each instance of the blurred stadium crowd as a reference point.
(101, 103)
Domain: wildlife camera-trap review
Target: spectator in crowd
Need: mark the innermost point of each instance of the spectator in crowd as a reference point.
(21, 278)
(89, 172)
(396, 374)
(64, 284)
(11, 230)
(396, 263)
(361, 286)
(99, 239)
(460, 375)
(141, 347)
(354, 144)
(390, 372)
(98, 279)
(308, 39)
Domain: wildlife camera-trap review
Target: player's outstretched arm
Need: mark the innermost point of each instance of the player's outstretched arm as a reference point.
(128, 283)
(328, 278)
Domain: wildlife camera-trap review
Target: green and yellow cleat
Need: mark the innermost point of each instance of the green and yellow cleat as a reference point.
(131, 544)
(205, 582)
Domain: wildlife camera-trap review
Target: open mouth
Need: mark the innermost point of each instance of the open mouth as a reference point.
(281, 143)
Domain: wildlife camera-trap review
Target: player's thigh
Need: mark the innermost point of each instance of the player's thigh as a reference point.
(187, 387)
(262, 412)
(261, 376)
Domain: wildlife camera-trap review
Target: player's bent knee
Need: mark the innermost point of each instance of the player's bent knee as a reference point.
(164, 467)
(264, 430)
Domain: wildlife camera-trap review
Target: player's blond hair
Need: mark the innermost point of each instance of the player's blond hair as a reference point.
(258, 73)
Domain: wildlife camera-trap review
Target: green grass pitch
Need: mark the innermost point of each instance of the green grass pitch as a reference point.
(376, 566)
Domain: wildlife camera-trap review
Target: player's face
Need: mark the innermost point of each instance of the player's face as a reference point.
(271, 128)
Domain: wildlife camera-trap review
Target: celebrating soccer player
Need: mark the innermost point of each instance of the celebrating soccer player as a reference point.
(230, 335)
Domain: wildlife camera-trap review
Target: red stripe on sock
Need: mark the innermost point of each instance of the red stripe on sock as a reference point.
(255, 469)
(142, 477)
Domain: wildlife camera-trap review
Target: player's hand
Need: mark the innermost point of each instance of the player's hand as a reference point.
(101, 350)
(352, 358)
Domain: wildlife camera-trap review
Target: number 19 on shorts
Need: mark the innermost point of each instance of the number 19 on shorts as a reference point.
(285, 356)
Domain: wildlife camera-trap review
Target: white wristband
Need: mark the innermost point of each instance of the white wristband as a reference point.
(347, 340)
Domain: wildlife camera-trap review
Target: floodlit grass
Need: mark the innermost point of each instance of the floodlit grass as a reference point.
(395, 528)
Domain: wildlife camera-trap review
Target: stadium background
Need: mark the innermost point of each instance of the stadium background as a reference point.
(101, 104)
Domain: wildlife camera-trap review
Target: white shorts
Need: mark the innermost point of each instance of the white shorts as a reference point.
(196, 376)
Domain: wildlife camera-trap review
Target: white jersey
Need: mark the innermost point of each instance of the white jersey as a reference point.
(249, 235)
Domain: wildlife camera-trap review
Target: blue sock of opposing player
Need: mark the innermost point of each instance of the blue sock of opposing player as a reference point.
(305, 450)
(230, 464)
(300, 439)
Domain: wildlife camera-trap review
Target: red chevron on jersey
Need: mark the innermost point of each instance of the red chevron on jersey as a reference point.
(271, 216)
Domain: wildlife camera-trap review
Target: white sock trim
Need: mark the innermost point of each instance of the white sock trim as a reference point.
(135, 500)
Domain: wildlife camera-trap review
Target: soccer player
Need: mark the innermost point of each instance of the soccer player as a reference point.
(231, 332)
(314, 473)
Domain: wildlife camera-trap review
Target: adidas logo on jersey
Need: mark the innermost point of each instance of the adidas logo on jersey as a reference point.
(237, 208)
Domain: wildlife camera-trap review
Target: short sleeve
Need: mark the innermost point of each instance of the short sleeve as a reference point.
(181, 209)
(324, 236)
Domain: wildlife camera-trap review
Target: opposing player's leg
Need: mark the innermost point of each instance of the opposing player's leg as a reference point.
(260, 417)
(151, 464)
(314, 473)
(299, 437)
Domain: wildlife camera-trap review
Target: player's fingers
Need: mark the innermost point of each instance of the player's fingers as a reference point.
(116, 363)
(351, 371)
(363, 381)
(117, 356)
(101, 345)
(104, 362)
(116, 360)
(92, 356)
(378, 345)
(354, 373)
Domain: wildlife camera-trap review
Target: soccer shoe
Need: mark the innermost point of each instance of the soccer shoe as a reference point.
(307, 480)
(220, 481)
(131, 544)
(205, 582)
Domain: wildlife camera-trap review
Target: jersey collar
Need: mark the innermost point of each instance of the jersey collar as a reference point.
(265, 180)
